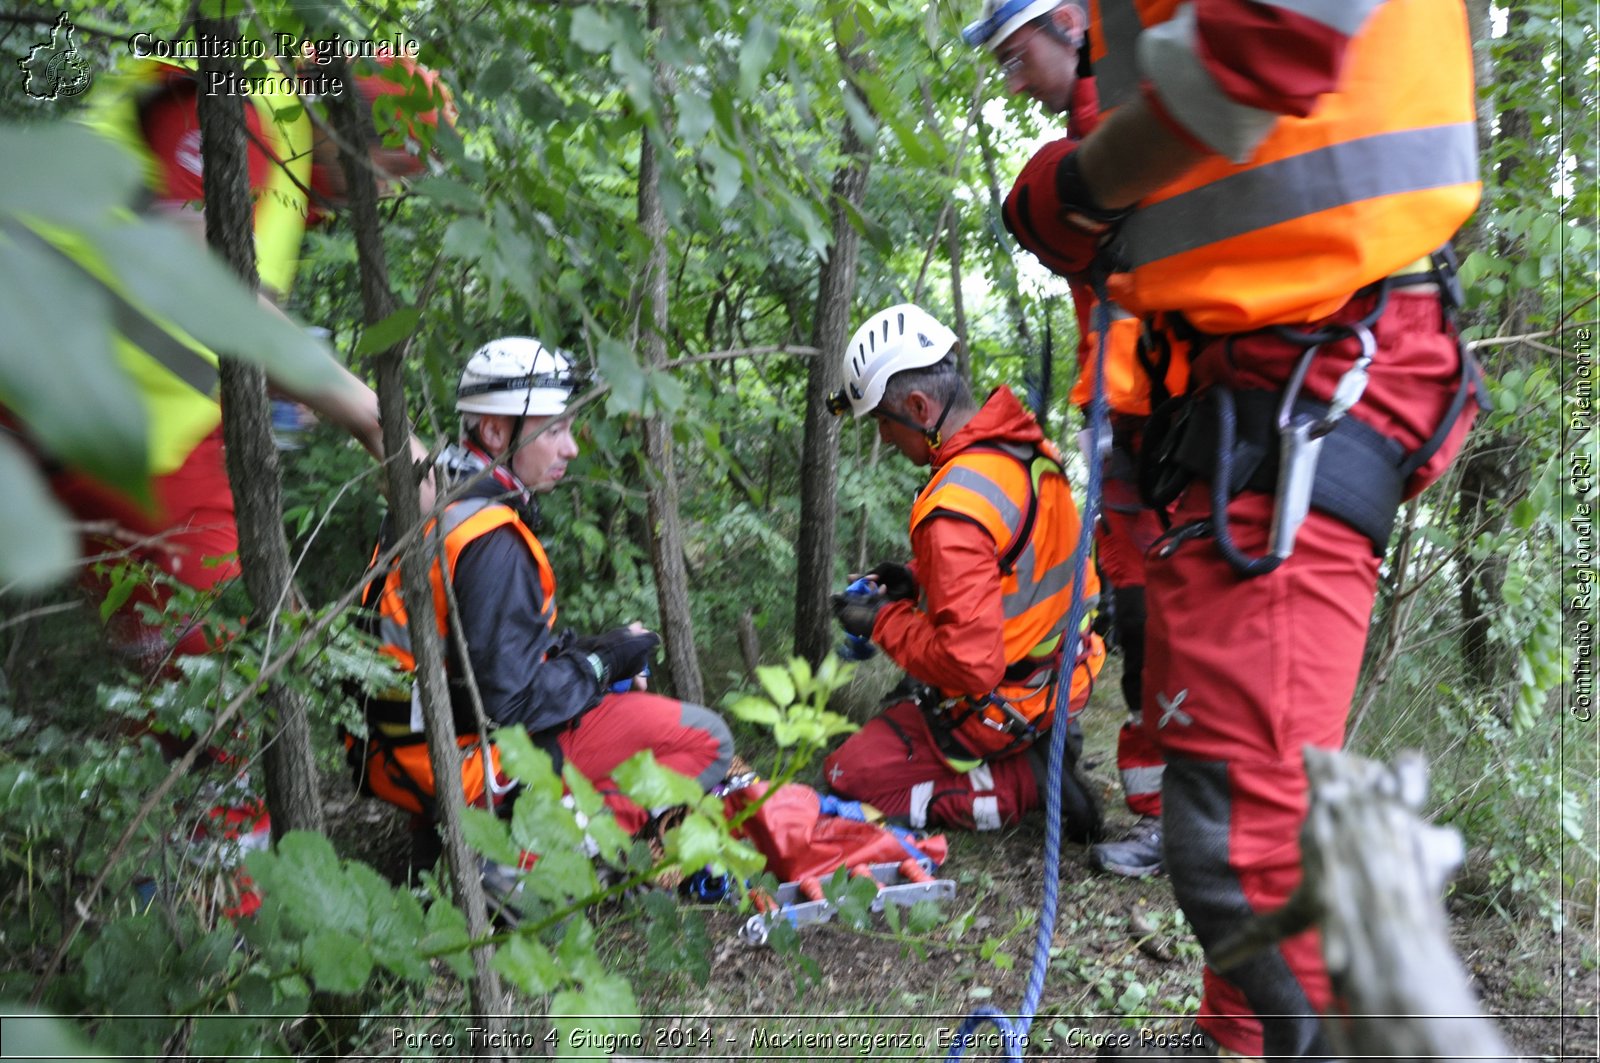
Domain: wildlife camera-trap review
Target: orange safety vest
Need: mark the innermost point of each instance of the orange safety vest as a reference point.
(392, 763)
(1020, 496)
(1127, 379)
(1381, 173)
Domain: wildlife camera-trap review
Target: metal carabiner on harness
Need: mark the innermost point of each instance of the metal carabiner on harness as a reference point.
(1300, 441)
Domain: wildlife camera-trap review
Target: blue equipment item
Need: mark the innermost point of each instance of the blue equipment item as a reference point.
(622, 686)
(855, 647)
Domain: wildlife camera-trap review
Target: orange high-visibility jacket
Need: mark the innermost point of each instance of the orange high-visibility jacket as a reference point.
(1127, 380)
(461, 523)
(1302, 205)
(393, 763)
(997, 486)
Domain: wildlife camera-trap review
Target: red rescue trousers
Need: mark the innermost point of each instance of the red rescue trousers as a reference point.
(1241, 674)
(894, 765)
(190, 536)
(1122, 536)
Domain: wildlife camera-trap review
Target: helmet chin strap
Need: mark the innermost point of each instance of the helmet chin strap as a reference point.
(933, 435)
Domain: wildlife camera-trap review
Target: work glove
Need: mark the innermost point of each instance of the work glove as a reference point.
(1052, 214)
(618, 654)
(898, 584)
(857, 612)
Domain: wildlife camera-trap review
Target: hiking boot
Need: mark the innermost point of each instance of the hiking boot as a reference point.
(1136, 856)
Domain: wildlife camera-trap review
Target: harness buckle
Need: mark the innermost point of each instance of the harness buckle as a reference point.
(1300, 441)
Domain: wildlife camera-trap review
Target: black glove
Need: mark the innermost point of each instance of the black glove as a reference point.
(618, 654)
(857, 612)
(896, 580)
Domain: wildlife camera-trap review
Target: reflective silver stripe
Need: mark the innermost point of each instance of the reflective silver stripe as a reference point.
(988, 490)
(1031, 589)
(1117, 75)
(1408, 160)
(921, 798)
(171, 353)
(1169, 57)
(1136, 781)
(981, 779)
(1345, 16)
(986, 813)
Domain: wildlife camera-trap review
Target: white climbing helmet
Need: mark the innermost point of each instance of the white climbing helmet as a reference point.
(891, 341)
(1002, 18)
(517, 376)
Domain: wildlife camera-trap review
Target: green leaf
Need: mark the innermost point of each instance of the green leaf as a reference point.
(606, 1005)
(777, 683)
(698, 841)
(339, 963)
(467, 238)
(727, 173)
(447, 933)
(592, 30)
(488, 834)
(496, 77)
(64, 173)
(77, 401)
(37, 543)
(527, 763)
(38, 1035)
(449, 193)
(619, 366)
(759, 45)
(388, 332)
(649, 785)
(173, 278)
(755, 710)
(694, 116)
(528, 964)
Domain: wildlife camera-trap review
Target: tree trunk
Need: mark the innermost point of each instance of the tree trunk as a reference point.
(1006, 264)
(353, 123)
(666, 524)
(819, 477)
(957, 304)
(287, 761)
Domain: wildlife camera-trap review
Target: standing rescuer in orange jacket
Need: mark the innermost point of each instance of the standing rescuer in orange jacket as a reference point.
(977, 619)
(1273, 186)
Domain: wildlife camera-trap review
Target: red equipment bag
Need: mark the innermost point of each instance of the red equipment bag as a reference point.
(800, 839)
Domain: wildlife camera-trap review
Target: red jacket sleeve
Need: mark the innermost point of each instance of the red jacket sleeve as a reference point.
(1269, 55)
(958, 645)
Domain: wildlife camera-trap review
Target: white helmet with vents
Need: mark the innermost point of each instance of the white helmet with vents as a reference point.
(889, 342)
(517, 376)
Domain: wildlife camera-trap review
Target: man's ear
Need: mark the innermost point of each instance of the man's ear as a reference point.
(1072, 21)
(494, 432)
(919, 407)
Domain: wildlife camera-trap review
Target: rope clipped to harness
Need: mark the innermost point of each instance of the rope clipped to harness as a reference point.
(1014, 1030)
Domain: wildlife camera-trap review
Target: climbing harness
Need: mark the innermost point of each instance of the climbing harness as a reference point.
(1305, 453)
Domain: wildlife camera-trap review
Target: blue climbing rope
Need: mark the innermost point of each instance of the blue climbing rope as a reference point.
(1014, 1031)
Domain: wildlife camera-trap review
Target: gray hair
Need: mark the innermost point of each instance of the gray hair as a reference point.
(942, 381)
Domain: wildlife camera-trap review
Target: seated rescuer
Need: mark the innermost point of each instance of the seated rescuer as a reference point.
(1273, 185)
(977, 619)
(513, 398)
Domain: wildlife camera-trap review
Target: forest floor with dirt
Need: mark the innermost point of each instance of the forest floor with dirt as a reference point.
(1122, 959)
